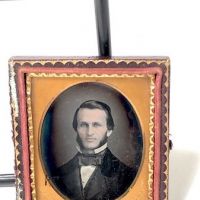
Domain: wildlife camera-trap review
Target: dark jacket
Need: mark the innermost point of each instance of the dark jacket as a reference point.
(109, 181)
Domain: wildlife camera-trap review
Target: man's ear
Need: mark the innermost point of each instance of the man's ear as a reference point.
(109, 132)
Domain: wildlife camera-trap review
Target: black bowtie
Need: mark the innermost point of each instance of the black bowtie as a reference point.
(85, 160)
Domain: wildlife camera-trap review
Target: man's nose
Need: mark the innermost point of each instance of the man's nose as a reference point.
(90, 130)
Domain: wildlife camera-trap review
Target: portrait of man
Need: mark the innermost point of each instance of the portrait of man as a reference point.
(94, 173)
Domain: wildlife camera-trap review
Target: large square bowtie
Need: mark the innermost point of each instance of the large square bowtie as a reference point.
(85, 160)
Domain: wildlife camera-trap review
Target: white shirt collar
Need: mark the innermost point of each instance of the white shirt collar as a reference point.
(98, 150)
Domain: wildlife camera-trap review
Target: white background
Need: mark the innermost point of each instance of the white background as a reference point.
(139, 28)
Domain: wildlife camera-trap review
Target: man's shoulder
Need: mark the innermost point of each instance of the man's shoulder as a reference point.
(68, 166)
(111, 158)
(119, 176)
(114, 165)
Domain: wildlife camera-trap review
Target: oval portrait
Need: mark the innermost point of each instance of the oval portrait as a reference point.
(91, 143)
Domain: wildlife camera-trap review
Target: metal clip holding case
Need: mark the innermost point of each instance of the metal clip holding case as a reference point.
(130, 94)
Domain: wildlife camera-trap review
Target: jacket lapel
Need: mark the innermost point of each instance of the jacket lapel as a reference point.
(95, 185)
(72, 181)
(100, 181)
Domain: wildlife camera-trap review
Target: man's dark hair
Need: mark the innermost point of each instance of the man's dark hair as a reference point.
(92, 104)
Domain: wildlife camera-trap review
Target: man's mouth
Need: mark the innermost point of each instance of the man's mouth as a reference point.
(90, 139)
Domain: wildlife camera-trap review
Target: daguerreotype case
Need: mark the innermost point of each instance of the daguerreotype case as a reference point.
(90, 128)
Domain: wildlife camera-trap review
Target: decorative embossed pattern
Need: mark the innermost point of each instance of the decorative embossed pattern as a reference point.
(151, 138)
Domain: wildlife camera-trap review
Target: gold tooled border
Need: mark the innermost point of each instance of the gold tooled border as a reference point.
(65, 75)
(151, 139)
(31, 135)
(16, 62)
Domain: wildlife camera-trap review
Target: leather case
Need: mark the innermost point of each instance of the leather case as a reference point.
(45, 93)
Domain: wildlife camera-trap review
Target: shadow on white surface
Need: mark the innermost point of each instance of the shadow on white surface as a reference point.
(183, 168)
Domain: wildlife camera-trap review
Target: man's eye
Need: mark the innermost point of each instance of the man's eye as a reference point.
(96, 125)
(83, 125)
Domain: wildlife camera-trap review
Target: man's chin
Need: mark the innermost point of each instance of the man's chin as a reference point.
(90, 147)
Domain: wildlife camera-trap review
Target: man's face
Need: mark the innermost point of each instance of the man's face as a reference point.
(92, 128)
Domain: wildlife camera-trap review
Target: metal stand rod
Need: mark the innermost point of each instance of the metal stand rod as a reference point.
(7, 180)
(103, 27)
